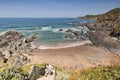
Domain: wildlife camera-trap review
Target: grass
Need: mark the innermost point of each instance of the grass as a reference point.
(114, 11)
(3, 66)
(99, 73)
(27, 68)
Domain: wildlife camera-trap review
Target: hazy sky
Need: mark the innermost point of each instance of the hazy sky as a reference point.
(55, 8)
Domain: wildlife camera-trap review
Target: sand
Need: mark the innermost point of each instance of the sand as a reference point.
(75, 57)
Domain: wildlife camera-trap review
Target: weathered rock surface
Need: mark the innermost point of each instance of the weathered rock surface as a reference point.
(7, 53)
(60, 29)
(30, 39)
(105, 31)
(69, 30)
(3, 43)
(8, 37)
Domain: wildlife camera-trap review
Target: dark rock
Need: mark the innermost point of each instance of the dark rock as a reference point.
(8, 37)
(60, 29)
(75, 33)
(30, 39)
(5, 60)
(26, 79)
(7, 53)
(19, 44)
(70, 37)
(69, 30)
(115, 34)
(11, 36)
(1, 55)
(66, 36)
(3, 43)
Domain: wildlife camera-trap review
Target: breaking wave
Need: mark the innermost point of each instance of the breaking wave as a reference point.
(64, 45)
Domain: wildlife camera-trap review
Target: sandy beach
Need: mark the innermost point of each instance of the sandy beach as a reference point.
(74, 57)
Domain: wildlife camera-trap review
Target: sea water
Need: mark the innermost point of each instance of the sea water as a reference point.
(46, 28)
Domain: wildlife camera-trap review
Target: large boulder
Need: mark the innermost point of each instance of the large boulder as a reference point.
(60, 29)
(30, 39)
(3, 43)
(69, 30)
(10, 36)
(75, 33)
(1, 56)
(7, 53)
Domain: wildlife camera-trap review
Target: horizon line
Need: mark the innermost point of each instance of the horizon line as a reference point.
(38, 17)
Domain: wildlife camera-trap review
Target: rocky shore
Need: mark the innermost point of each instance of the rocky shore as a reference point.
(105, 31)
(77, 34)
(14, 48)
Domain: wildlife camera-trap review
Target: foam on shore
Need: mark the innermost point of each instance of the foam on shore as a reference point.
(64, 45)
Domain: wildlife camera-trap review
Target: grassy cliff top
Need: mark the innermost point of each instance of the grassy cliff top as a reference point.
(115, 11)
(98, 73)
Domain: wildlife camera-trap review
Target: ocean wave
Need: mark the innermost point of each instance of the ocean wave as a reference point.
(46, 28)
(64, 45)
(3, 32)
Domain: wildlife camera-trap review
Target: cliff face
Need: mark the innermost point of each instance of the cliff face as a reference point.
(105, 31)
(107, 21)
(111, 20)
(93, 17)
(110, 14)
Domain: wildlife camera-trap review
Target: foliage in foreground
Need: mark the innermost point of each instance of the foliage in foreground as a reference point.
(16, 73)
(99, 73)
(13, 74)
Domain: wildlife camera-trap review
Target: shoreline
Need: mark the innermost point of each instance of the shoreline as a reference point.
(77, 57)
(61, 45)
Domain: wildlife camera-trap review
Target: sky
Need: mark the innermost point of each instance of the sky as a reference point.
(54, 8)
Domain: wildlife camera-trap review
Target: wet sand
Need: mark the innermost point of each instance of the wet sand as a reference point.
(75, 57)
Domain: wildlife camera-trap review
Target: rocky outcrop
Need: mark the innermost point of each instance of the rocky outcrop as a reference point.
(82, 34)
(7, 53)
(60, 29)
(69, 30)
(16, 41)
(92, 17)
(105, 31)
(30, 39)
(8, 37)
(3, 43)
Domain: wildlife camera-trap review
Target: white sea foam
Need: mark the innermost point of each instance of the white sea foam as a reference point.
(56, 30)
(65, 45)
(46, 28)
(2, 33)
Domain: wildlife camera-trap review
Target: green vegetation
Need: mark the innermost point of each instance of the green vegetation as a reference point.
(20, 72)
(27, 68)
(117, 27)
(111, 12)
(114, 11)
(16, 73)
(93, 17)
(13, 74)
(99, 73)
(108, 21)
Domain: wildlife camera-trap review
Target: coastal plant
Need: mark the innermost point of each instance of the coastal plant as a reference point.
(98, 73)
(13, 74)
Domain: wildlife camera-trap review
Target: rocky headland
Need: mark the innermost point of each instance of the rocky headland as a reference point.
(14, 48)
(105, 30)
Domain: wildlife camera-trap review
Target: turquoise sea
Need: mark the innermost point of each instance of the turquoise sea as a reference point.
(47, 28)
